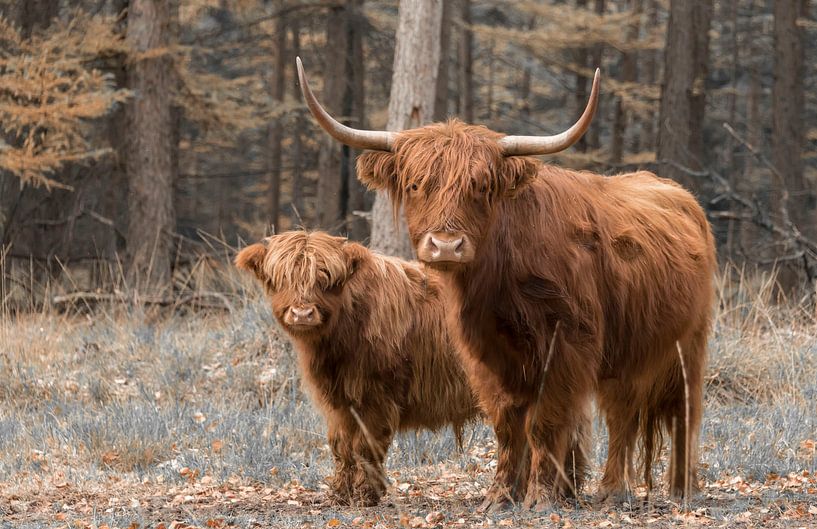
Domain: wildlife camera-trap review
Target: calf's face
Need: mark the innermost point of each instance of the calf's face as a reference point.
(305, 276)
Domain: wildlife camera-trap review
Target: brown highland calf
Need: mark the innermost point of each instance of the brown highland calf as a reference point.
(372, 346)
(563, 285)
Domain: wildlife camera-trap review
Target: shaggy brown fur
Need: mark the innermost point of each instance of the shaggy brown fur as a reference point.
(622, 266)
(376, 355)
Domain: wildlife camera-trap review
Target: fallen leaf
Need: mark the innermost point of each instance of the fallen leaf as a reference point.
(434, 517)
(109, 457)
(334, 522)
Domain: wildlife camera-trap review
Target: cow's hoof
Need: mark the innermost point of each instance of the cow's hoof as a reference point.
(538, 500)
(498, 499)
(615, 497)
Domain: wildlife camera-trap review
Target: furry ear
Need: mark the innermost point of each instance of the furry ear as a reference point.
(376, 170)
(251, 259)
(355, 255)
(520, 170)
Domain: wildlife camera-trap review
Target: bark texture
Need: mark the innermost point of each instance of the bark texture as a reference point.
(151, 161)
(683, 94)
(441, 101)
(357, 200)
(465, 75)
(339, 192)
(411, 104)
(788, 110)
(276, 129)
(297, 205)
(628, 73)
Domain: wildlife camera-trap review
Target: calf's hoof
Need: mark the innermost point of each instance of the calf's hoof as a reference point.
(367, 494)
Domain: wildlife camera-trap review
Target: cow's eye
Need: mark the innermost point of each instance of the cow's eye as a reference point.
(414, 187)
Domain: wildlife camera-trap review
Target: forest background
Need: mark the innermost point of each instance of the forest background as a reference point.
(138, 138)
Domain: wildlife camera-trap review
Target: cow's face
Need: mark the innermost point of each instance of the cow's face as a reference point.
(449, 178)
(305, 276)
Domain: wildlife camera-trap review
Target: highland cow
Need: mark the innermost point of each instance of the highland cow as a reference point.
(564, 285)
(372, 346)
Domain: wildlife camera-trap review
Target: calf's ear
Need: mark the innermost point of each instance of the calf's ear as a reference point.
(251, 259)
(376, 170)
(355, 255)
(518, 171)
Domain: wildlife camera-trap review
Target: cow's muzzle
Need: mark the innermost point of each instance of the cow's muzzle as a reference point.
(302, 316)
(445, 247)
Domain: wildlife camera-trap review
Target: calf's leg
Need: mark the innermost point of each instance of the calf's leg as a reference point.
(341, 484)
(374, 434)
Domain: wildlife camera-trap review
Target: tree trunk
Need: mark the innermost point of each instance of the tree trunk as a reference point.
(683, 95)
(411, 104)
(751, 181)
(331, 169)
(297, 203)
(581, 57)
(441, 98)
(648, 76)
(525, 82)
(627, 67)
(466, 60)
(597, 57)
(730, 12)
(788, 127)
(32, 15)
(489, 98)
(152, 125)
(276, 129)
(357, 227)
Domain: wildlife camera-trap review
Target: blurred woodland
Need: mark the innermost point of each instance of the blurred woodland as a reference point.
(141, 140)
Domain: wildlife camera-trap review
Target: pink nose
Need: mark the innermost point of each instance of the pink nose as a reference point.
(445, 250)
(444, 247)
(302, 316)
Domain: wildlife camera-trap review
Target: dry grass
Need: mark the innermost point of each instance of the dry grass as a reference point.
(124, 414)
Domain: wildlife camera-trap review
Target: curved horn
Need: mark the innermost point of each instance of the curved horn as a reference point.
(379, 140)
(532, 145)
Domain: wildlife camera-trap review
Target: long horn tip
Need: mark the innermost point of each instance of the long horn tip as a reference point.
(300, 67)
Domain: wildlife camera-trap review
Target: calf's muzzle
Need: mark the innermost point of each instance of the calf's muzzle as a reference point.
(304, 316)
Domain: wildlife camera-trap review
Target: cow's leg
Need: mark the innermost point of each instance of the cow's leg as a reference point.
(371, 444)
(549, 444)
(577, 462)
(684, 414)
(341, 434)
(554, 421)
(620, 410)
(512, 458)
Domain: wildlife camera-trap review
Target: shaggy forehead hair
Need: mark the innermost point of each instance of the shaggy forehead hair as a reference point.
(448, 160)
(306, 260)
